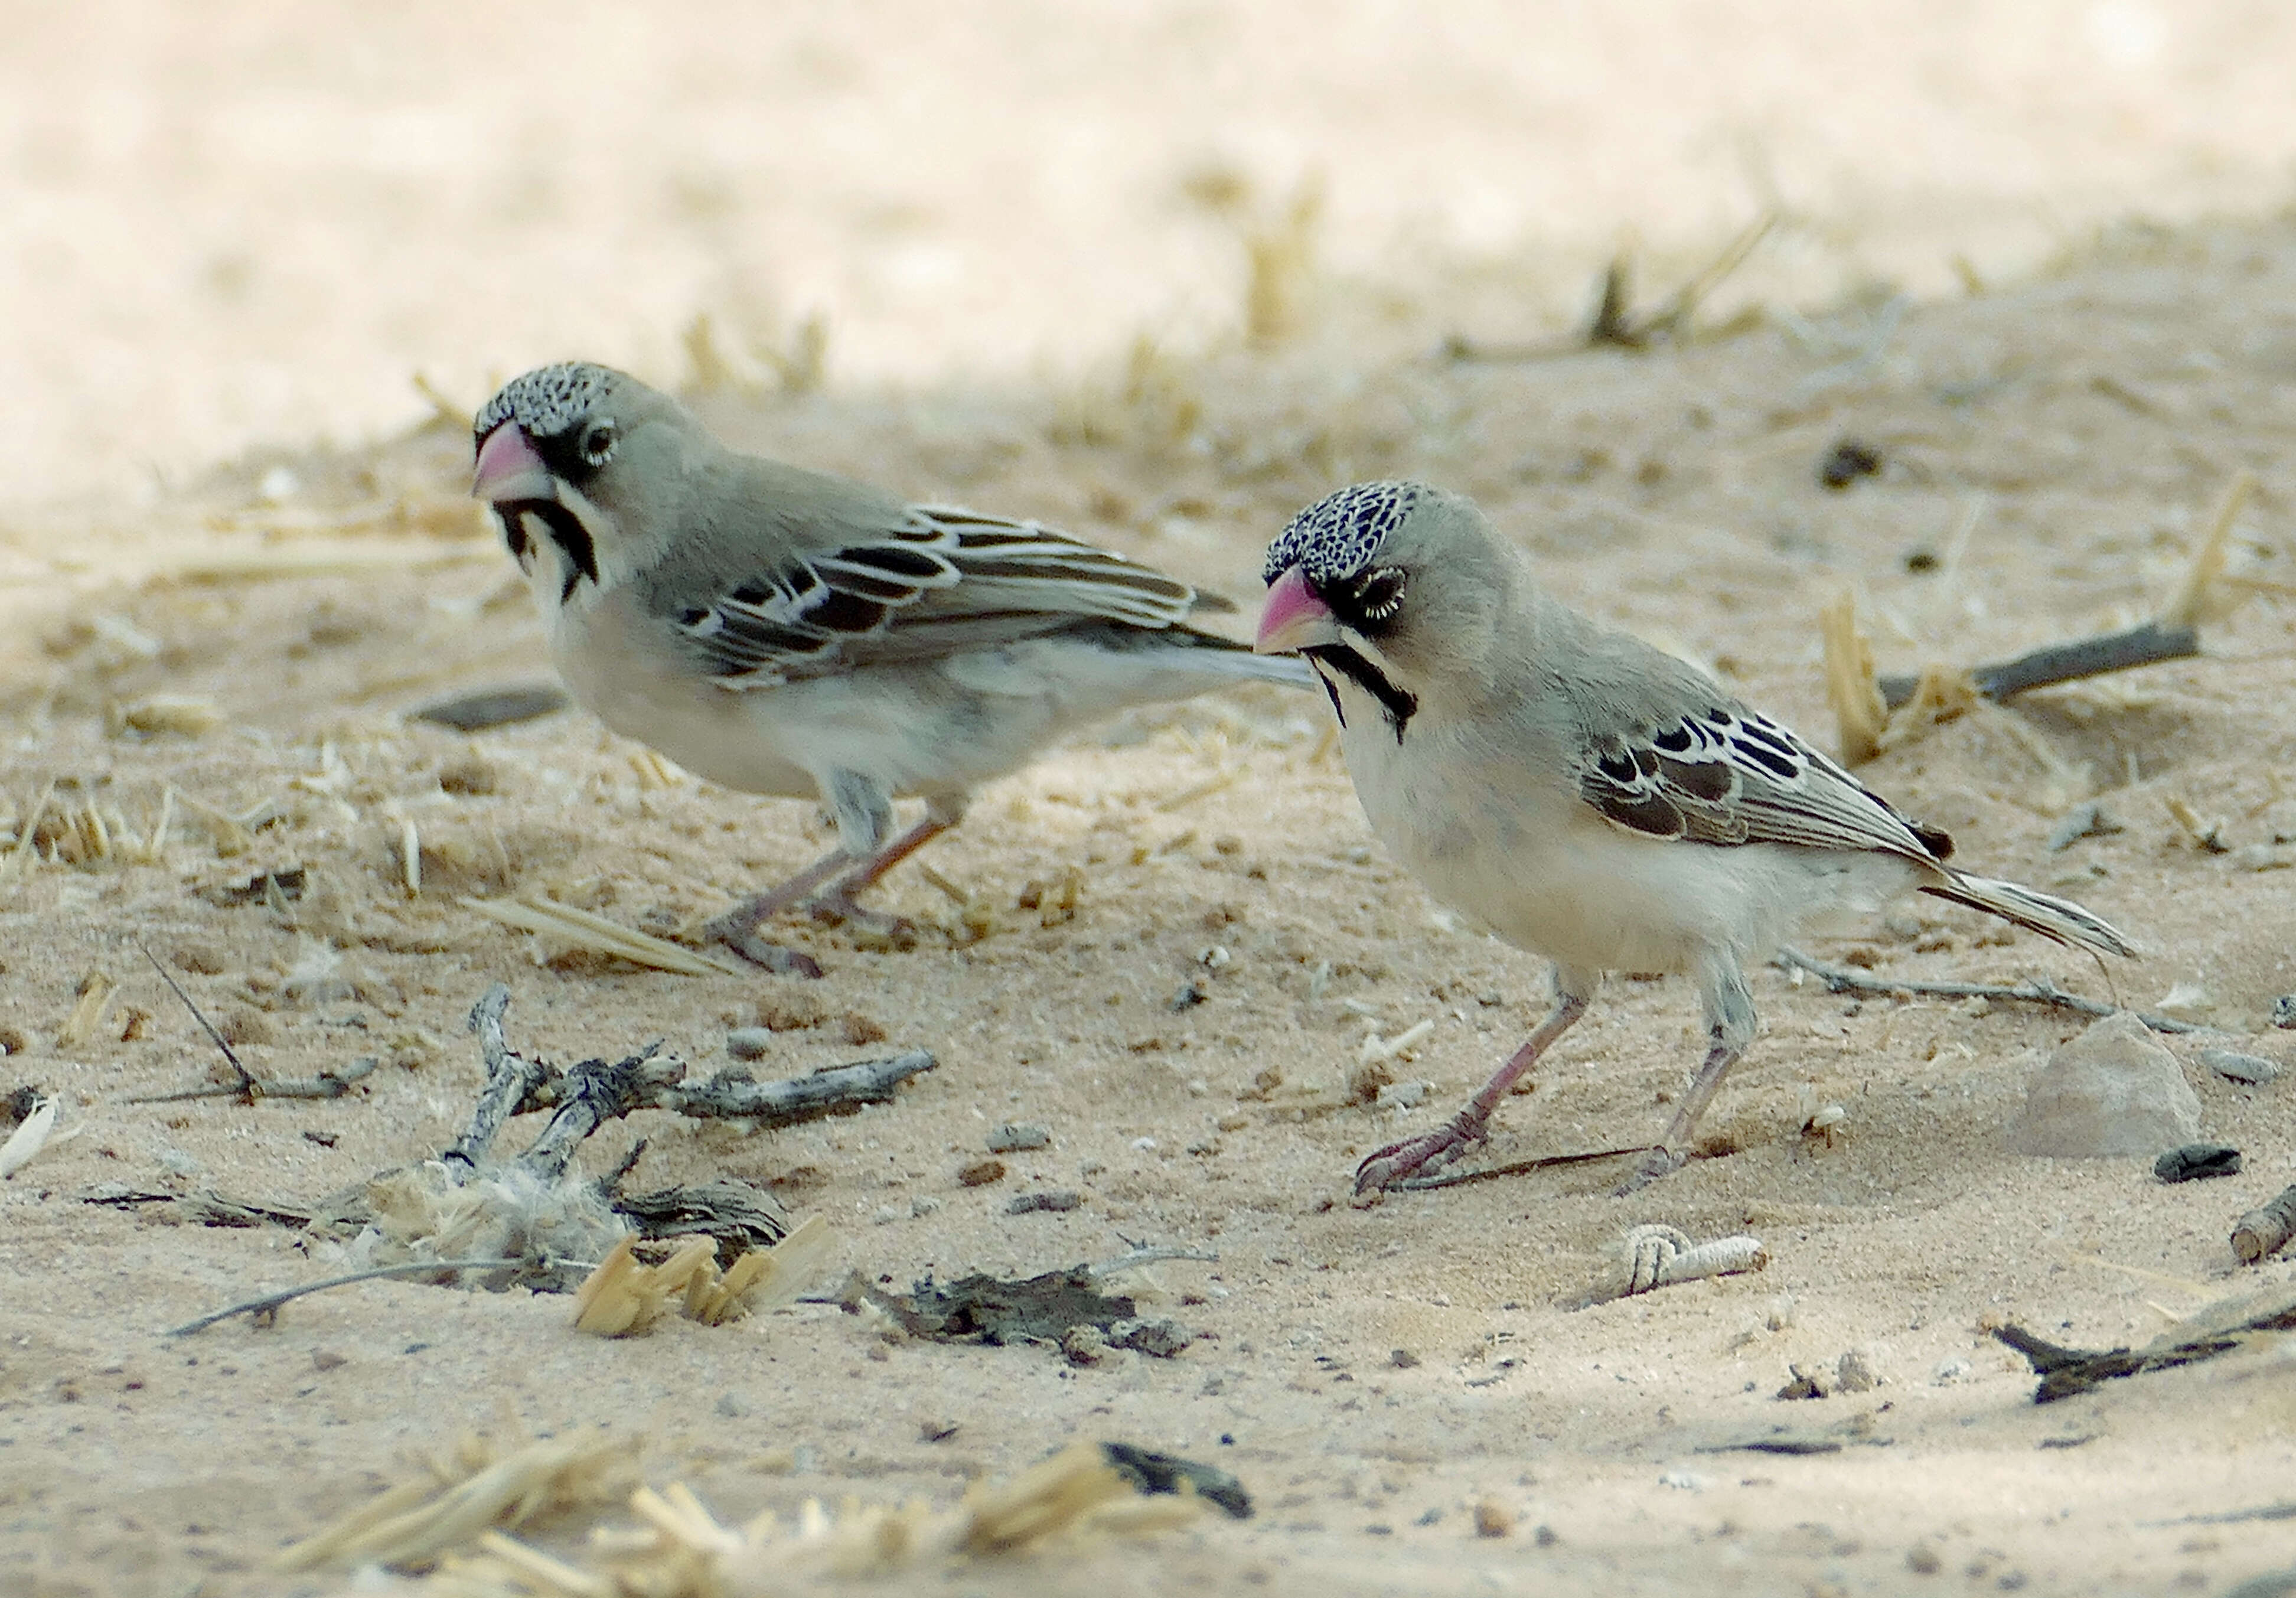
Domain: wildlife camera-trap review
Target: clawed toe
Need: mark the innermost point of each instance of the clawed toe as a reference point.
(836, 907)
(1658, 1162)
(1382, 1168)
(739, 933)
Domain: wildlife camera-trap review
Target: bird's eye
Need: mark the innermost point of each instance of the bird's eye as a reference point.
(1379, 592)
(598, 443)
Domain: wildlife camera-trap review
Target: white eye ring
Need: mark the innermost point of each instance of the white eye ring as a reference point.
(598, 443)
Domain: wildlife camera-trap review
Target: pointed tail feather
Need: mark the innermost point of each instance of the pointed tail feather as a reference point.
(2036, 912)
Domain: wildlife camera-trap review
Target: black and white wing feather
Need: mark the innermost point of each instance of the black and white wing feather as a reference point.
(1727, 776)
(941, 580)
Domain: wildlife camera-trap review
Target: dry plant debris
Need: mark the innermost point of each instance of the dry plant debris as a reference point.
(1660, 1256)
(465, 1492)
(2216, 1328)
(1063, 1308)
(25, 1143)
(1085, 1492)
(625, 1295)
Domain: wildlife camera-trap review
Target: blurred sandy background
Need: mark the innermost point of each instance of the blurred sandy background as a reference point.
(230, 221)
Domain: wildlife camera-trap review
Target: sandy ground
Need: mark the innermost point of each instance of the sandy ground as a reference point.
(2088, 422)
(217, 251)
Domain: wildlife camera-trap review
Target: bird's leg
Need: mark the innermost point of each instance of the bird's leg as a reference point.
(835, 902)
(737, 929)
(1388, 1166)
(1730, 1021)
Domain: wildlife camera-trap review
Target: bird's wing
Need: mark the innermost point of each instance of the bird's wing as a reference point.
(938, 580)
(1667, 763)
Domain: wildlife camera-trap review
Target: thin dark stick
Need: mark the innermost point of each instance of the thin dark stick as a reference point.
(326, 1085)
(246, 1089)
(2034, 991)
(2145, 645)
(270, 1302)
(1516, 1168)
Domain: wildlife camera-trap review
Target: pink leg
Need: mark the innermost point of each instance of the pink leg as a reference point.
(737, 929)
(1393, 1163)
(836, 901)
(1673, 1152)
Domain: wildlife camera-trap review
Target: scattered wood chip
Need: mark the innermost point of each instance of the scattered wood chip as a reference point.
(30, 1137)
(2264, 1231)
(625, 1296)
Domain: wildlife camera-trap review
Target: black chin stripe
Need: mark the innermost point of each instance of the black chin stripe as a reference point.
(566, 531)
(514, 531)
(1399, 705)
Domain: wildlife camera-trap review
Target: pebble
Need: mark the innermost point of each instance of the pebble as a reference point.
(749, 1043)
(980, 1173)
(2113, 1090)
(2197, 1161)
(2284, 1011)
(1014, 1136)
(2254, 1069)
(1950, 1370)
(1852, 1374)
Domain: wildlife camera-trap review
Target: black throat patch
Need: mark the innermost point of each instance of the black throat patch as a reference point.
(566, 531)
(1397, 704)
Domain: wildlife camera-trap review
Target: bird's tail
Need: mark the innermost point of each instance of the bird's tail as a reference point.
(2036, 912)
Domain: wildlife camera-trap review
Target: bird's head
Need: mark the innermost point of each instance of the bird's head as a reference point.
(570, 457)
(1389, 584)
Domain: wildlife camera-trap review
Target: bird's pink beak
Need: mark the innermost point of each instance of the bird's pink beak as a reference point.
(1293, 618)
(509, 469)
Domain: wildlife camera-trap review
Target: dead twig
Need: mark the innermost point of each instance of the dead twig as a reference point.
(2148, 644)
(511, 1076)
(331, 1084)
(2265, 1230)
(1514, 1168)
(2034, 990)
(265, 1307)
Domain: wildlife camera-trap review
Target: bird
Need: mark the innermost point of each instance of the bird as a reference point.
(1581, 794)
(785, 632)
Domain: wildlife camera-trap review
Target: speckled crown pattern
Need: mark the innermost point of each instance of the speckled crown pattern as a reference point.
(1335, 538)
(547, 401)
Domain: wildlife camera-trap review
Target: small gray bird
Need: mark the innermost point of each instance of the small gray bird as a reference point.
(785, 632)
(1582, 795)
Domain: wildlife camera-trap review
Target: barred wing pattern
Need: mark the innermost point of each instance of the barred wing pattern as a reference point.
(1731, 776)
(946, 580)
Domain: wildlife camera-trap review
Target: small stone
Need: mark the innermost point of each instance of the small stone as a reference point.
(1188, 997)
(980, 1173)
(327, 1359)
(1492, 1519)
(1544, 1537)
(1950, 1370)
(1053, 1199)
(884, 1215)
(749, 1043)
(1083, 1345)
(1403, 1095)
(2197, 1161)
(1402, 1360)
(1683, 1481)
(1923, 1559)
(731, 1405)
(1806, 1384)
(2283, 1012)
(1161, 1338)
(1016, 1136)
(2082, 820)
(1849, 459)
(923, 1204)
(2112, 1090)
(1852, 1374)
(1428, 1517)
(2253, 1071)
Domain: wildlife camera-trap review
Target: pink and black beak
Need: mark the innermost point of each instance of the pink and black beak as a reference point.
(509, 469)
(1293, 618)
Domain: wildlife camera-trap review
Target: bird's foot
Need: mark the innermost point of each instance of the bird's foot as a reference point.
(836, 905)
(737, 929)
(1417, 1156)
(1659, 1162)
